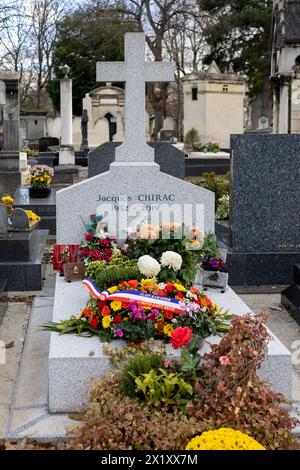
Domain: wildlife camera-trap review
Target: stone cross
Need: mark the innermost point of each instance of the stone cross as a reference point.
(135, 72)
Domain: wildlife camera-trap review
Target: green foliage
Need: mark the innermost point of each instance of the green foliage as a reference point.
(91, 33)
(223, 207)
(137, 365)
(113, 275)
(230, 395)
(192, 140)
(162, 388)
(211, 147)
(236, 31)
(216, 184)
(93, 267)
(210, 247)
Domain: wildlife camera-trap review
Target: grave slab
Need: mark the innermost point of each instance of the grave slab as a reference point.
(44, 207)
(26, 275)
(73, 361)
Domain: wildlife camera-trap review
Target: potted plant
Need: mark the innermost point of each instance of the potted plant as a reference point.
(40, 179)
(214, 275)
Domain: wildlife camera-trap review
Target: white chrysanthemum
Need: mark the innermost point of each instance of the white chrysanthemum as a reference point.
(148, 266)
(171, 260)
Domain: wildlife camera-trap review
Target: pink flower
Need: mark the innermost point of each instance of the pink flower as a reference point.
(224, 360)
(167, 363)
(119, 333)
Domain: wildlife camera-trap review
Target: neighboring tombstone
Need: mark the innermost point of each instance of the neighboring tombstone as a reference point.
(264, 207)
(19, 220)
(10, 176)
(46, 142)
(170, 159)
(84, 131)
(66, 153)
(3, 220)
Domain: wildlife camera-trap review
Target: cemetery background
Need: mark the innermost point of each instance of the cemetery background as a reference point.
(30, 416)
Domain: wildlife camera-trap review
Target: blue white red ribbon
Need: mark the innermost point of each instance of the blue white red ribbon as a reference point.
(143, 299)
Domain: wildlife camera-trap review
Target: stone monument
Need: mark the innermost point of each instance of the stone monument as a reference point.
(10, 176)
(134, 180)
(214, 104)
(66, 152)
(84, 131)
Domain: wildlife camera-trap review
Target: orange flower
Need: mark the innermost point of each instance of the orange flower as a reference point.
(169, 315)
(161, 292)
(193, 290)
(133, 284)
(105, 311)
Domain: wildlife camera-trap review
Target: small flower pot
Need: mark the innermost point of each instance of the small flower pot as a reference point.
(215, 280)
(38, 193)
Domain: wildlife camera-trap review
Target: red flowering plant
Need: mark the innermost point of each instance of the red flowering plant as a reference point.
(139, 310)
(98, 245)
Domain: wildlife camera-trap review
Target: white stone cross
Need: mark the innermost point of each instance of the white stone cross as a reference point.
(135, 72)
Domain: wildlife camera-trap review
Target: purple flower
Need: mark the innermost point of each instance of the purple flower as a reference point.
(119, 332)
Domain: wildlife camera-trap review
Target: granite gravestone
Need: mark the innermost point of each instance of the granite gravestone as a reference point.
(10, 176)
(84, 147)
(169, 158)
(134, 183)
(264, 210)
(46, 142)
(19, 220)
(3, 220)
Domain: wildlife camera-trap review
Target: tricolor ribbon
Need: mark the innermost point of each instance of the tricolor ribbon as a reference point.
(143, 299)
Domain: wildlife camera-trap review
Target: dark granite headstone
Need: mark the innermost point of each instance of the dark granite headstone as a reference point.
(290, 297)
(264, 209)
(170, 159)
(19, 220)
(3, 219)
(46, 142)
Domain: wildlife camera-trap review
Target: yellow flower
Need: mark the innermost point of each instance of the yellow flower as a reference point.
(116, 306)
(224, 439)
(168, 330)
(179, 287)
(7, 200)
(112, 289)
(149, 285)
(106, 321)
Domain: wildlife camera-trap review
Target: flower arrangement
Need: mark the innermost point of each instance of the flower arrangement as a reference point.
(148, 309)
(98, 245)
(224, 439)
(40, 176)
(213, 264)
(32, 216)
(8, 201)
(177, 248)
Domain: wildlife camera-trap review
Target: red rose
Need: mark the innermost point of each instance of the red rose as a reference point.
(170, 288)
(133, 284)
(118, 319)
(96, 255)
(105, 311)
(86, 313)
(85, 252)
(94, 323)
(181, 337)
(180, 295)
(101, 303)
(107, 254)
(89, 236)
(93, 216)
(104, 243)
(169, 315)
